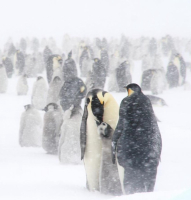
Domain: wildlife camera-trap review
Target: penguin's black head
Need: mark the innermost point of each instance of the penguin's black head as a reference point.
(133, 87)
(51, 107)
(105, 130)
(56, 79)
(70, 54)
(39, 78)
(27, 107)
(97, 98)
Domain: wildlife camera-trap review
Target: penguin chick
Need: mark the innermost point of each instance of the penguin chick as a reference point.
(69, 143)
(54, 90)
(52, 123)
(109, 177)
(39, 94)
(22, 85)
(30, 133)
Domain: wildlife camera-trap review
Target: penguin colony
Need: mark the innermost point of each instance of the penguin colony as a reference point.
(77, 70)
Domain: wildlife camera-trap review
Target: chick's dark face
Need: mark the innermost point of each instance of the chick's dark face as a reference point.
(97, 108)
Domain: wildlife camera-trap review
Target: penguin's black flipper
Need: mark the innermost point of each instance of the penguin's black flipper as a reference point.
(83, 131)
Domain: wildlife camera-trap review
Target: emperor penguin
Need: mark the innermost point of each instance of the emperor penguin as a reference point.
(109, 176)
(69, 69)
(30, 133)
(3, 79)
(69, 143)
(156, 101)
(53, 119)
(22, 85)
(158, 81)
(54, 90)
(53, 67)
(19, 62)
(39, 93)
(8, 66)
(99, 106)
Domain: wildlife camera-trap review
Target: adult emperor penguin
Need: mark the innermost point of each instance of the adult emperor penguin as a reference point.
(99, 106)
(69, 69)
(8, 66)
(53, 67)
(137, 141)
(3, 79)
(19, 62)
(52, 123)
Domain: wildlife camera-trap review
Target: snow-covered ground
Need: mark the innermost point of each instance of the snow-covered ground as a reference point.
(30, 173)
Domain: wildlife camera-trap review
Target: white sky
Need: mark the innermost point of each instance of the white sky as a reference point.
(94, 18)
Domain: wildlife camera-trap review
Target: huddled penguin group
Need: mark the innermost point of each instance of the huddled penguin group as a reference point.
(120, 147)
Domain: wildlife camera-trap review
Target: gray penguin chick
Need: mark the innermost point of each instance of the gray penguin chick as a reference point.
(109, 176)
(52, 123)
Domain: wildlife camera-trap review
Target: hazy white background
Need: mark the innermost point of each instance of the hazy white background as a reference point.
(109, 18)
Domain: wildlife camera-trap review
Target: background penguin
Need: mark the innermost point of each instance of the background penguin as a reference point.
(19, 62)
(146, 79)
(158, 81)
(101, 106)
(157, 101)
(105, 59)
(30, 133)
(137, 141)
(178, 61)
(30, 66)
(69, 143)
(114, 63)
(22, 85)
(109, 176)
(53, 64)
(172, 75)
(99, 74)
(69, 68)
(84, 62)
(39, 93)
(46, 53)
(8, 66)
(123, 75)
(3, 79)
(72, 93)
(54, 90)
(52, 123)
(89, 81)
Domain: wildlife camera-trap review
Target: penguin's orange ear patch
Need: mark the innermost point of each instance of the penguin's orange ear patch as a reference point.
(82, 89)
(130, 92)
(100, 97)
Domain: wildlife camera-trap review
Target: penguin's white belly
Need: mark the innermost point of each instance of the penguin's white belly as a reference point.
(121, 172)
(92, 158)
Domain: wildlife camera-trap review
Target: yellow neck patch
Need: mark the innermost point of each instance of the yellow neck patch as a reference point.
(100, 97)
